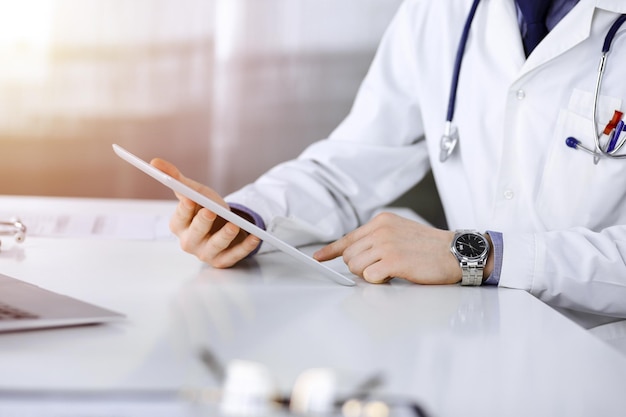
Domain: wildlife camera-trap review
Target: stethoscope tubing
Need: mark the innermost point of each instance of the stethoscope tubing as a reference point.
(460, 52)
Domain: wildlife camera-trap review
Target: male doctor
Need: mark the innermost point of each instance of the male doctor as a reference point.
(527, 211)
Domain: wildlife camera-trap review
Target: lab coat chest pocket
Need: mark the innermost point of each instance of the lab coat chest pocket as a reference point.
(573, 190)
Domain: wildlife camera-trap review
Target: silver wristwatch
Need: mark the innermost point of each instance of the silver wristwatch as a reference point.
(471, 250)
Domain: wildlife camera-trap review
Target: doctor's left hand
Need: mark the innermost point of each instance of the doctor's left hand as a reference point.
(392, 246)
(200, 231)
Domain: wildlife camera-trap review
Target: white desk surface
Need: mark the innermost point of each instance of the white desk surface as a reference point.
(457, 351)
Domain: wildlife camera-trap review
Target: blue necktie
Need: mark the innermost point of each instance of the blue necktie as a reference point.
(534, 12)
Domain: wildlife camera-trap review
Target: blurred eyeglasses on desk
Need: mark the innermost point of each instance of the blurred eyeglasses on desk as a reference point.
(248, 390)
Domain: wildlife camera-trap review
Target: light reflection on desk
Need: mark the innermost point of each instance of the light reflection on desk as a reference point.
(260, 313)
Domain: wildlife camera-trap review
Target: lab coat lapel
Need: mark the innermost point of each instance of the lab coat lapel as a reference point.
(617, 6)
(502, 34)
(569, 32)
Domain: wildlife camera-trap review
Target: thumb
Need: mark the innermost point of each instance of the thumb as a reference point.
(167, 167)
(171, 170)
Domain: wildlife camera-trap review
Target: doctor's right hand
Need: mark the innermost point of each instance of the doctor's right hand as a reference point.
(201, 232)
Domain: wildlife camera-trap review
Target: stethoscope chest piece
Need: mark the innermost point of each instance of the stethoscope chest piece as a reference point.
(449, 140)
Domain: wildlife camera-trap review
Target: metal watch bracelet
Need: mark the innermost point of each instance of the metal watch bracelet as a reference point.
(472, 272)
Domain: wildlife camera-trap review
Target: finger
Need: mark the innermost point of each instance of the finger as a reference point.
(231, 256)
(195, 235)
(211, 250)
(377, 273)
(183, 216)
(328, 252)
(360, 255)
(336, 248)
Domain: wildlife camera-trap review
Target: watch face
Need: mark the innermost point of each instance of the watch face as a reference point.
(470, 245)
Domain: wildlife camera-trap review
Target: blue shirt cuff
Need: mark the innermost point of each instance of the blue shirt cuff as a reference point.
(498, 251)
(248, 214)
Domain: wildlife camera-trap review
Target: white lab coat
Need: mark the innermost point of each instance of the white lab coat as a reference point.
(563, 218)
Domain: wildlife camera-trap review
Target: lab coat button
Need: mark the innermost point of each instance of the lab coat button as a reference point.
(521, 94)
(508, 194)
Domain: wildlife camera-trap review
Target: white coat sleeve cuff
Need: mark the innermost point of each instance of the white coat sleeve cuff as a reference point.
(519, 261)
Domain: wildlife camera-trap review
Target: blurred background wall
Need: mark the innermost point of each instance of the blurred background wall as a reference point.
(223, 88)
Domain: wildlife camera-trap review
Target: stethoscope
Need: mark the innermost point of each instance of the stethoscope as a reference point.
(13, 227)
(450, 137)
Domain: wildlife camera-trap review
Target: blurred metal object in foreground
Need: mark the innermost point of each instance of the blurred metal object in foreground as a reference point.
(13, 227)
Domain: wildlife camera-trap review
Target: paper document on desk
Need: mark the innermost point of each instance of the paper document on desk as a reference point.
(119, 226)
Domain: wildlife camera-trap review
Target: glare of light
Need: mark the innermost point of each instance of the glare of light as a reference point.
(225, 27)
(25, 22)
(25, 36)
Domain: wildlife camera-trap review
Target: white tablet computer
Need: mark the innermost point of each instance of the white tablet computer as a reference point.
(231, 217)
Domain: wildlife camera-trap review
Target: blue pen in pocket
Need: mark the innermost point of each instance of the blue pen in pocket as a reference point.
(616, 143)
